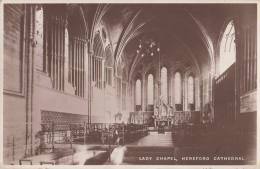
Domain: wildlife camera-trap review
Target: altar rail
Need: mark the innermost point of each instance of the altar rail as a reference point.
(174, 118)
(97, 133)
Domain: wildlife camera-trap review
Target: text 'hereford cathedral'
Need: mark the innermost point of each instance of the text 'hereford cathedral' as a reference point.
(129, 84)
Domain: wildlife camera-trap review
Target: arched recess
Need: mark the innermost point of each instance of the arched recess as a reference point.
(65, 47)
(98, 61)
(54, 24)
(77, 50)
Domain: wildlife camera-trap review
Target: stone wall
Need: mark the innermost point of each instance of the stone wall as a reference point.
(14, 99)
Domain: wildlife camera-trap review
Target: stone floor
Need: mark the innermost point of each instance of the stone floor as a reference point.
(164, 149)
(75, 155)
(209, 148)
(155, 139)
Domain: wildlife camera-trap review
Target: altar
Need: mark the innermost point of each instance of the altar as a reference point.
(163, 115)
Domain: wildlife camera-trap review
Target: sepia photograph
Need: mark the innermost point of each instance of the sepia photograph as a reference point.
(101, 83)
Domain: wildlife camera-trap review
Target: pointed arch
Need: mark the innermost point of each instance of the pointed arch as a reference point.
(227, 48)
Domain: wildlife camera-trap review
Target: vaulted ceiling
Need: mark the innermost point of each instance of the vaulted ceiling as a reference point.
(173, 26)
(186, 32)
